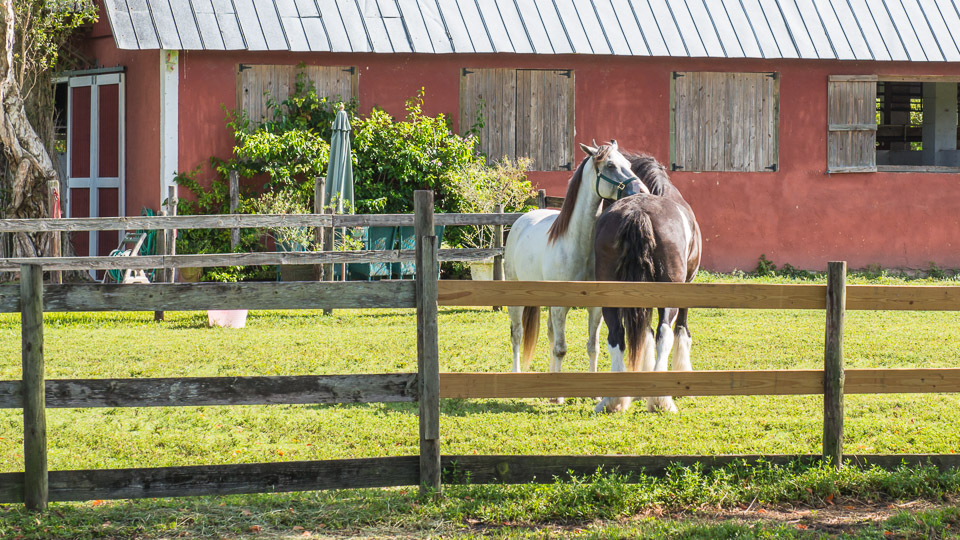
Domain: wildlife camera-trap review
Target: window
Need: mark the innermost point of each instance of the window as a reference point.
(259, 83)
(892, 123)
(523, 112)
(725, 121)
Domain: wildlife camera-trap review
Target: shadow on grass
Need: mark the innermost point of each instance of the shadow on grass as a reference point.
(469, 407)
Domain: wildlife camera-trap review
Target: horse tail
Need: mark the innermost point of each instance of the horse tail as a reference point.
(635, 244)
(531, 329)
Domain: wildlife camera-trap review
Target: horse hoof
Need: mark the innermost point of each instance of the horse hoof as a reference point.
(558, 401)
(661, 404)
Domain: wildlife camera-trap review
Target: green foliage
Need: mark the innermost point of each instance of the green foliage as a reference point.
(481, 188)
(285, 202)
(765, 267)
(395, 158)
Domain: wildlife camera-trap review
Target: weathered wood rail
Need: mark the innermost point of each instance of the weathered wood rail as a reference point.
(37, 485)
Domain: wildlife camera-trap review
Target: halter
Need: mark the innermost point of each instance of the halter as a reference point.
(620, 185)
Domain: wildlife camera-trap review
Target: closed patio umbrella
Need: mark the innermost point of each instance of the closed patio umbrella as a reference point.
(339, 184)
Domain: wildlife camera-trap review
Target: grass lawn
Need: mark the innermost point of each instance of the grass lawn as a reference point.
(107, 345)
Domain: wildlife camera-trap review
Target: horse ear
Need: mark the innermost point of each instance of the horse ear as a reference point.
(590, 150)
(613, 143)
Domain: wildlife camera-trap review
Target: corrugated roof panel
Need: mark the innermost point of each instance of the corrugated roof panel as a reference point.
(761, 29)
(888, 32)
(574, 28)
(689, 31)
(553, 26)
(535, 27)
(835, 32)
(853, 31)
(120, 24)
(612, 27)
(818, 34)
(920, 25)
(143, 24)
(951, 17)
(745, 35)
(797, 28)
(316, 34)
(630, 28)
(476, 28)
(270, 24)
(725, 33)
(778, 26)
(209, 28)
(456, 26)
(593, 28)
(393, 22)
(491, 18)
(292, 28)
(649, 27)
(166, 27)
(668, 28)
(940, 31)
(354, 24)
(708, 33)
(250, 25)
(904, 29)
(333, 24)
(416, 28)
(870, 32)
(376, 31)
(186, 25)
(436, 26)
(514, 25)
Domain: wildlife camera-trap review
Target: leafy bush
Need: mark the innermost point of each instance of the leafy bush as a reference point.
(395, 158)
(481, 188)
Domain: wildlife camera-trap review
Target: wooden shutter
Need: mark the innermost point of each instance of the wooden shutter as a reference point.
(726, 121)
(256, 84)
(545, 118)
(852, 123)
(493, 94)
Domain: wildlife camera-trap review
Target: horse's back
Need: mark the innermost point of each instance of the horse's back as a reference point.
(526, 244)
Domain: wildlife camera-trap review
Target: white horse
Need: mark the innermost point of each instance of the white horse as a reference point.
(551, 245)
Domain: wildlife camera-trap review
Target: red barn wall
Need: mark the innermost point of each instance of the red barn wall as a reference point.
(798, 215)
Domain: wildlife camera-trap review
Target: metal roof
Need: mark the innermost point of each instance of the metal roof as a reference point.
(910, 30)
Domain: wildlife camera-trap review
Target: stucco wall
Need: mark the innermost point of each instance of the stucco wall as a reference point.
(798, 215)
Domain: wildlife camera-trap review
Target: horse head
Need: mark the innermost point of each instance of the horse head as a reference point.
(614, 177)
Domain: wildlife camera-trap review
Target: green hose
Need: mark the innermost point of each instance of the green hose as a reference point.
(148, 247)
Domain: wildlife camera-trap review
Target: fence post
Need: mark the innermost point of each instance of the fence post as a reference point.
(328, 246)
(53, 193)
(161, 273)
(319, 197)
(498, 243)
(541, 198)
(35, 479)
(833, 375)
(172, 234)
(234, 205)
(428, 353)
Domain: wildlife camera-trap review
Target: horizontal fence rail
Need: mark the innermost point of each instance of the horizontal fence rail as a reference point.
(695, 383)
(244, 221)
(203, 296)
(212, 391)
(693, 295)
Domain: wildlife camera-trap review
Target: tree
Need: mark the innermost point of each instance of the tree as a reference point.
(34, 32)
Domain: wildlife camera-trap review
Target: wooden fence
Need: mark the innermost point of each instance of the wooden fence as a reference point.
(37, 485)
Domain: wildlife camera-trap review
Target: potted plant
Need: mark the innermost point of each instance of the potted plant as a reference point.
(288, 238)
(481, 189)
(225, 318)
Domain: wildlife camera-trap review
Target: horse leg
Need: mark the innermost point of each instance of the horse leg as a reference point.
(683, 344)
(658, 360)
(516, 334)
(594, 316)
(557, 322)
(616, 345)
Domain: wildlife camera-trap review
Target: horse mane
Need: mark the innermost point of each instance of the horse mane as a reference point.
(562, 223)
(650, 171)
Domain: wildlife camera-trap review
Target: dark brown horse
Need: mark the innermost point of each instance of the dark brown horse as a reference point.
(647, 237)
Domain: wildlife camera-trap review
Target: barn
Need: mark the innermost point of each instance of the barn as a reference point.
(804, 130)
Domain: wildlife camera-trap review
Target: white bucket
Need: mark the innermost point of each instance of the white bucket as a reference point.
(227, 318)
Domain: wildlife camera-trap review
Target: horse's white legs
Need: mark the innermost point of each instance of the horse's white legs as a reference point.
(516, 334)
(660, 403)
(556, 323)
(681, 350)
(616, 365)
(594, 317)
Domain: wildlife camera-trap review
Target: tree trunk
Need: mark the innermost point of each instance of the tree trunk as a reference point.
(29, 166)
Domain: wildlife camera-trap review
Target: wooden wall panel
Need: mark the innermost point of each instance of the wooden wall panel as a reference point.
(257, 84)
(852, 124)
